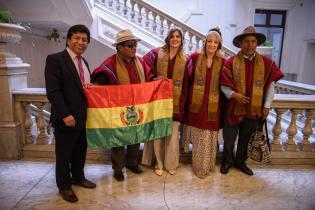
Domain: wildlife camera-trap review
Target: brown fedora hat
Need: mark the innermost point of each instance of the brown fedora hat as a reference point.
(125, 35)
(249, 31)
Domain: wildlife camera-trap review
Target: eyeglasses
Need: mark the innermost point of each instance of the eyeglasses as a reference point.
(130, 46)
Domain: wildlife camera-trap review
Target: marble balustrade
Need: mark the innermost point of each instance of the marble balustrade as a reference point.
(289, 87)
(31, 105)
(156, 21)
(295, 105)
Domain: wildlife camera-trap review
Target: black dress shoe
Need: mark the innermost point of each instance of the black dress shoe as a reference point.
(119, 176)
(68, 195)
(242, 167)
(225, 167)
(135, 169)
(84, 183)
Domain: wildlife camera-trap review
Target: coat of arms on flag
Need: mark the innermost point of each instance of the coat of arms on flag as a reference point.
(131, 116)
(128, 114)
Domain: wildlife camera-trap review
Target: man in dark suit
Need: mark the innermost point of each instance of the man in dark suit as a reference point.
(66, 73)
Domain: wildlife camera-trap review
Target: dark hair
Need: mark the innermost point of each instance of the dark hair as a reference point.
(216, 29)
(78, 28)
(168, 38)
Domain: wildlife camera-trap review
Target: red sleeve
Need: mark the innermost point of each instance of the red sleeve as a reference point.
(151, 59)
(149, 76)
(107, 70)
(273, 71)
(226, 76)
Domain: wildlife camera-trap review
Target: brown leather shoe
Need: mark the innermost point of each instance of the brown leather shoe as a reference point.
(68, 195)
(84, 183)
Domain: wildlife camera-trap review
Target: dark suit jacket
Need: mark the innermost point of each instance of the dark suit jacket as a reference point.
(64, 91)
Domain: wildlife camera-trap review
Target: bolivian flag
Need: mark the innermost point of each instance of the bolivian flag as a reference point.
(120, 115)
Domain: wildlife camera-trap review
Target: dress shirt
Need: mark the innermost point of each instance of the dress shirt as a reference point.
(75, 61)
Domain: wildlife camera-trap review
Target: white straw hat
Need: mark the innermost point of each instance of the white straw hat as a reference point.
(125, 35)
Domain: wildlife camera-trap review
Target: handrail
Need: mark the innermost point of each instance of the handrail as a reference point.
(285, 86)
(290, 101)
(182, 25)
(154, 18)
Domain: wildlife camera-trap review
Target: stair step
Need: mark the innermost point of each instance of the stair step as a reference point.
(48, 152)
(32, 151)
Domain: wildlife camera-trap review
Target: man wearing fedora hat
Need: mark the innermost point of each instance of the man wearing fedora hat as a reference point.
(247, 80)
(122, 68)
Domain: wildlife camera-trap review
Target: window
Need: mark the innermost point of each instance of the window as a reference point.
(271, 23)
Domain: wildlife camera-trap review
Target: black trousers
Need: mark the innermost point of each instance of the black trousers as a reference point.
(120, 159)
(70, 152)
(244, 130)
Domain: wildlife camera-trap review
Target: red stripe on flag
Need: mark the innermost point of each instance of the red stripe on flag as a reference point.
(108, 96)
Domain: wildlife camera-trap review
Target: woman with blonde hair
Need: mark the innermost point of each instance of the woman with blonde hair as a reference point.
(203, 108)
(169, 62)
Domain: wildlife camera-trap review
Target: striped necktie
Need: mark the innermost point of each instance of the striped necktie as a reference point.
(81, 72)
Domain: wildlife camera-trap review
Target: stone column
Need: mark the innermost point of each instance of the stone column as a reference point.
(292, 131)
(13, 75)
(277, 130)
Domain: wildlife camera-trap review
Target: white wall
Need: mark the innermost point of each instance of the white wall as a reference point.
(307, 74)
(232, 16)
(96, 53)
(305, 59)
(36, 55)
(205, 14)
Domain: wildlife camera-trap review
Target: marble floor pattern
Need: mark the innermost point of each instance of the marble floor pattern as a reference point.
(31, 185)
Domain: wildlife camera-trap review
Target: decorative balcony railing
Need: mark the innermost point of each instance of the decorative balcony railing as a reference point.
(31, 106)
(286, 137)
(156, 21)
(289, 87)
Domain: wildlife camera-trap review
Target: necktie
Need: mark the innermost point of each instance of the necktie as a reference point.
(81, 72)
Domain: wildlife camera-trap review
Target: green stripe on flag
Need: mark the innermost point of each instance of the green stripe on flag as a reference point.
(115, 137)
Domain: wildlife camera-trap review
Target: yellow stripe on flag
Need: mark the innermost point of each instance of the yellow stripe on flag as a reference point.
(119, 117)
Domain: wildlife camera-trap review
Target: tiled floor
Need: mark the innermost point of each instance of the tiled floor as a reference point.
(31, 185)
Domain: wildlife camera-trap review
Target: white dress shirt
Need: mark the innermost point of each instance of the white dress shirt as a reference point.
(75, 61)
